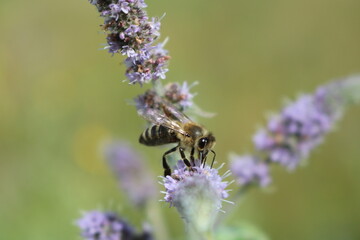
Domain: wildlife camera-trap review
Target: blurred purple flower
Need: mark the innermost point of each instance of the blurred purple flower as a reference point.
(248, 169)
(131, 172)
(302, 125)
(97, 225)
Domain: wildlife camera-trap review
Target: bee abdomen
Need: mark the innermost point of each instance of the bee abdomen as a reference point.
(157, 135)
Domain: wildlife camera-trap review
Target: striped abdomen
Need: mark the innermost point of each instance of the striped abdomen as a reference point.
(158, 135)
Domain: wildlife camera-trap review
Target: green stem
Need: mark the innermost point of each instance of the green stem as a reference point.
(154, 215)
(192, 234)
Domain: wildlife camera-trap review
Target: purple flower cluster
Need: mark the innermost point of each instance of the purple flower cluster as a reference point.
(149, 100)
(148, 68)
(292, 134)
(182, 179)
(179, 94)
(197, 193)
(97, 225)
(129, 168)
(299, 128)
(132, 34)
(173, 93)
(248, 169)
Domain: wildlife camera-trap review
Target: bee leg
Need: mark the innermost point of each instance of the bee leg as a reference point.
(183, 157)
(167, 169)
(212, 163)
(192, 159)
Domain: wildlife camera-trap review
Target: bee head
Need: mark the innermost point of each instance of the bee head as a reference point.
(206, 142)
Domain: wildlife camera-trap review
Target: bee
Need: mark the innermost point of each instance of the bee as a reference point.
(172, 126)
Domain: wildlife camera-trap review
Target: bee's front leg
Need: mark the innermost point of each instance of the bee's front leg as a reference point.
(212, 163)
(183, 157)
(167, 169)
(192, 159)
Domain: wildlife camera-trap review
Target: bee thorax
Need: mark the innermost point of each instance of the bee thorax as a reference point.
(194, 130)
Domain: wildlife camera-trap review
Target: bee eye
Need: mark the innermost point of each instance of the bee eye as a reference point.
(202, 143)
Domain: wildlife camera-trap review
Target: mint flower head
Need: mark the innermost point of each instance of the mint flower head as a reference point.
(150, 65)
(98, 225)
(197, 194)
(174, 93)
(131, 33)
(149, 100)
(291, 135)
(302, 125)
(179, 94)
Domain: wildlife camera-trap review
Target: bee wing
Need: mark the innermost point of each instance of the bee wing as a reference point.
(173, 113)
(158, 117)
(169, 117)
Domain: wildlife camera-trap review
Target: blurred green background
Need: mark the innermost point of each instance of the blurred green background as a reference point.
(60, 96)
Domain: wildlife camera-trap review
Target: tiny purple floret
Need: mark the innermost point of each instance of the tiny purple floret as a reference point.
(248, 169)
